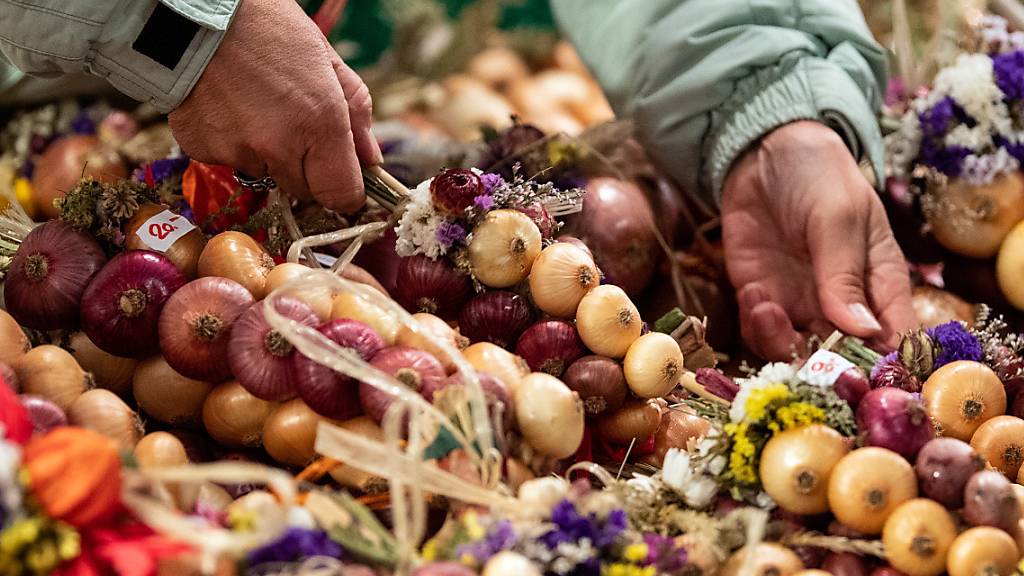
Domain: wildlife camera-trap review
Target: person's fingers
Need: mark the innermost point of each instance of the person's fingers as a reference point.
(774, 337)
(360, 111)
(332, 171)
(889, 287)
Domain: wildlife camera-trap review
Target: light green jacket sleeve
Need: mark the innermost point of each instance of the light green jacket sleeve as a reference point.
(704, 79)
(53, 37)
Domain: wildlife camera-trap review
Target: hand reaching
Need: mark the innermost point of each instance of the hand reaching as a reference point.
(808, 246)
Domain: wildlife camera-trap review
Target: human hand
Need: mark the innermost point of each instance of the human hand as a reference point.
(808, 246)
(277, 100)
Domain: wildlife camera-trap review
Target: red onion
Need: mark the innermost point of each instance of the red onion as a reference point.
(887, 570)
(454, 190)
(575, 242)
(894, 419)
(48, 275)
(260, 357)
(331, 393)
(1017, 407)
(497, 316)
(1010, 369)
(851, 386)
(380, 259)
(121, 307)
(432, 286)
(550, 346)
(494, 389)
(45, 415)
(600, 383)
(415, 368)
(195, 327)
(844, 564)
(668, 206)
(9, 377)
(944, 465)
(989, 500)
(618, 224)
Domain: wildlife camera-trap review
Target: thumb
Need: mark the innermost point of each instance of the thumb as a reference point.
(839, 257)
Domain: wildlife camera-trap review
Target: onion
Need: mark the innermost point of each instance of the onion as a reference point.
(111, 372)
(506, 366)
(102, 411)
(607, 321)
(886, 571)
(443, 569)
(495, 393)
(1000, 441)
(49, 274)
(944, 465)
(768, 559)
(1010, 266)
(239, 257)
(636, 419)
(982, 550)
(168, 396)
(679, 425)
(933, 306)
(1009, 366)
(497, 67)
(386, 324)
(550, 346)
(414, 368)
(195, 326)
(68, 160)
(892, 418)
(45, 415)
(851, 386)
(432, 286)
(380, 259)
(503, 248)
(844, 564)
(330, 393)
(561, 275)
(618, 225)
(160, 449)
(549, 415)
(469, 106)
(9, 377)
(600, 383)
(497, 316)
(973, 220)
(653, 365)
(351, 476)
(318, 297)
(866, 485)
(234, 417)
(509, 563)
(260, 357)
(52, 373)
(13, 341)
(290, 432)
(436, 328)
(989, 500)
(121, 307)
(184, 252)
(961, 395)
(796, 465)
(916, 537)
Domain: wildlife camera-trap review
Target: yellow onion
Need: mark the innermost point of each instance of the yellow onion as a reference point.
(549, 415)
(67, 161)
(796, 466)
(1000, 441)
(160, 449)
(470, 105)
(636, 419)
(679, 425)
(509, 563)
(102, 411)
(498, 67)
(917, 536)
(933, 306)
(290, 432)
(351, 476)
(184, 252)
(13, 341)
(348, 305)
(52, 373)
(108, 371)
(503, 248)
(866, 485)
(608, 321)
(435, 329)
(768, 560)
(234, 417)
(961, 395)
(237, 256)
(500, 363)
(973, 220)
(166, 395)
(561, 276)
(1010, 266)
(982, 550)
(317, 296)
(653, 365)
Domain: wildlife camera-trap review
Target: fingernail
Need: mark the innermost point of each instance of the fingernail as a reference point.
(378, 158)
(751, 296)
(864, 317)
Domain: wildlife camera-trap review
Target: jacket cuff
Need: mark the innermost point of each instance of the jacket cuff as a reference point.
(809, 89)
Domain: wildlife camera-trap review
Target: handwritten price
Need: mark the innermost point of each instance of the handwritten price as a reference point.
(823, 368)
(163, 229)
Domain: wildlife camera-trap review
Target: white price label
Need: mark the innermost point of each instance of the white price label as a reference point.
(823, 368)
(163, 229)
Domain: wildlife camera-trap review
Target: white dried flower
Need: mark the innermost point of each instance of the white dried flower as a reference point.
(417, 229)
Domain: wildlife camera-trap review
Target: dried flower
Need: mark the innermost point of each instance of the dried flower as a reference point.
(954, 343)
(450, 233)
(917, 353)
(296, 544)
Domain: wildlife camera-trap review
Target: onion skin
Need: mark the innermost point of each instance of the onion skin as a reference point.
(433, 330)
(678, 426)
(260, 357)
(168, 396)
(443, 569)
(892, 418)
(1000, 441)
(943, 467)
(653, 365)
(961, 395)
(769, 560)
(982, 550)
(933, 306)
(844, 564)
(45, 415)
(989, 500)
(347, 305)
(9, 377)
(1001, 204)
(600, 383)
(380, 259)
(506, 366)
(52, 373)
(121, 307)
(68, 160)
(866, 485)
(851, 386)
(796, 465)
(561, 275)
(102, 411)
(550, 346)
(917, 536)
(239, 257)
(431, 286)
(49, 275)
(185, 251)
(290, 432)
(495, 316)
(234, 417)
(330, 393)
(549, 415)
(108, 371)
(503, 248)
(350, 476)
(160, 449)
(637, 419)
(414, 368)
(13, 341)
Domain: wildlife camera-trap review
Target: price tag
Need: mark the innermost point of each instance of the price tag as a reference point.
(823, 368)
(163, 229)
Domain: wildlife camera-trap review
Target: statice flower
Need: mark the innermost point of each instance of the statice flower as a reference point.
(955, 343)
(945, 159)
(294, 545)
(500, 536)
(570, 525)
(614, 525)
(450, 233)
(936, 120)
(979, 170)
(417, 229)
(490, 182)
(664, 554)
(484, 202)
(1009, 73)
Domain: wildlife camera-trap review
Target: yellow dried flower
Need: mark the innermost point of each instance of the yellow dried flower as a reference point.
(759, 400)
(635, 552)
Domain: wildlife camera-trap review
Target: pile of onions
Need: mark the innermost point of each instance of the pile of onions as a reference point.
(52, 373)
(944, 465)
(121, 307)
(239, 257)
(796, 466)
(234, 417)
(917, 536)
(497, 395)
(168, 396)
(600, 383)
(431, 286)
(1000, 441)
(45, 415)
(184, 252)
(637, 419)
(108, 371)
(961, 395)
(866, 485)
(549, 414)
(49, 274)
(653, 365)
(550, 346)
(431, 330)
(195, 327)
(67, 161)
(13, 341)
(289, 433)
(316, 296)
(503, 248)
(561, 276)
(414, 368)
(608, 321)
(102, 411)
(260, 357)
(330, 393)
(490, 358)
(353, 307)
(496, 316)
(893, 418)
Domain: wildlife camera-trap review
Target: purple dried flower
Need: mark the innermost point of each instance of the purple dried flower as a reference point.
(664, 554)
(570, 526)
(613, 527)
(167, 167)
(483, 202)
(935, 121)
(890, 358)
(955, 343)
(294, 545)
(500, 536)
(448, 233)
(945, 159)
(490, 182)
(83, 124)
(1009, 73)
